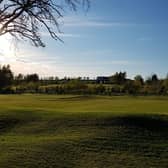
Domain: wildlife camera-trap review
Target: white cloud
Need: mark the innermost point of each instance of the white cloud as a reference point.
(92, 22)
(46, 34)
(144, 39)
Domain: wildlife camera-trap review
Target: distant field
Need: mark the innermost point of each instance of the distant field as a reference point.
(48, 131)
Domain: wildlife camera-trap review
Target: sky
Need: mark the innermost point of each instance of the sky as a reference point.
(114, 35)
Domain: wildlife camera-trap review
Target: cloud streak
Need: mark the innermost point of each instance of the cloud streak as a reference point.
(144, 39)
(62, 35)
(92, 22)
(98, 24)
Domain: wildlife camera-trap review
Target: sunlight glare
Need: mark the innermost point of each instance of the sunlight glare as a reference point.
(7, 49)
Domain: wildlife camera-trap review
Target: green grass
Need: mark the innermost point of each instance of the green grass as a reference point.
(47, 131)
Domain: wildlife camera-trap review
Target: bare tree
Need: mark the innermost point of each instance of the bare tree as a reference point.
(23, 19)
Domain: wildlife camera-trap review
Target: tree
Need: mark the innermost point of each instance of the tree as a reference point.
(139, 79)
(6, 76)
(32, 78)
(165, 85)
(152, 80)
(155, 78)
(19, 77)
(23, 19)
(118, 78)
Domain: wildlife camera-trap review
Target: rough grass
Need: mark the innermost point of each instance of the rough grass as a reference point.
(42, 131)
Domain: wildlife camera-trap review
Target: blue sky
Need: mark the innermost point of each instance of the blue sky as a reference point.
(116, 35)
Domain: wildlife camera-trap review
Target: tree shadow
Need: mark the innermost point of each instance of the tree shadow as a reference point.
(16, 118)
(153, 123)
(7, 124)
(142, 138)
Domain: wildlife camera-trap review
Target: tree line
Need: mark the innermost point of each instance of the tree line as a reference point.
(116, 84)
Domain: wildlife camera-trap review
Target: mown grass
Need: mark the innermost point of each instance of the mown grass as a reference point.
(45, 131)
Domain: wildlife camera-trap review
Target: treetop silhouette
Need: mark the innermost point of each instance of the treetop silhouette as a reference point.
(23, 19)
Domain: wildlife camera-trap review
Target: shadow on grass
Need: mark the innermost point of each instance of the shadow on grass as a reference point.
(16, 118)
(7, 124)
(154, 123)
(133, 141)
